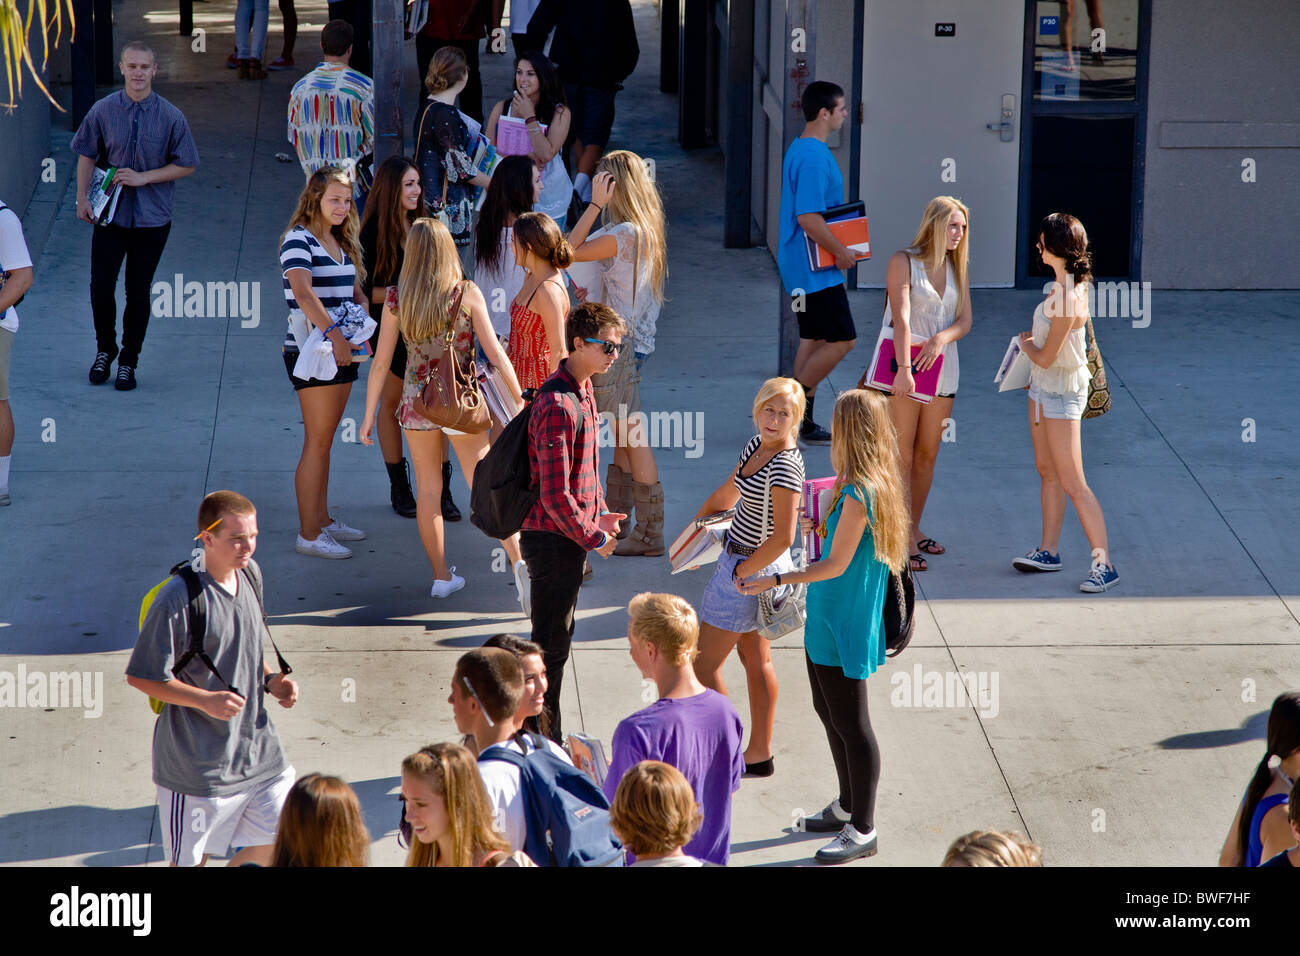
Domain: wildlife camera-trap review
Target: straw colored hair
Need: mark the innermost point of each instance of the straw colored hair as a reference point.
(636, 200)
(321, 825)
(430, 273)
(668, 622)
(990, 848)
(308, 209)
(786, 388)
(654, 810)
(447, 68)
(930, 244)
(452, 773)
(864, 454)
(219, 504)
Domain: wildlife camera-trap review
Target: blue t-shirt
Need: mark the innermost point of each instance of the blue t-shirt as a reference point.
(700, 736)
(810, 182)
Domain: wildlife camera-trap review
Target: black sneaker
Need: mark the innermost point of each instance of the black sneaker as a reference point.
(125, 380)
(810, 433)
(99, 370)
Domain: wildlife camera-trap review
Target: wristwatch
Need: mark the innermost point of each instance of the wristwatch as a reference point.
(266, 682)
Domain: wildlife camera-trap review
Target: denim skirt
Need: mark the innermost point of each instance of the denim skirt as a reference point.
(726, 608)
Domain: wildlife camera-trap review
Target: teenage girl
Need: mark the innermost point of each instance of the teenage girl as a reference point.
(1261, 829)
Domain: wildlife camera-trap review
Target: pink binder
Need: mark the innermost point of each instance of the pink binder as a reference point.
(885, 368)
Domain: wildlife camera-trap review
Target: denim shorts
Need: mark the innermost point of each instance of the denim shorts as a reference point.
(726, 608)
(1059, 405)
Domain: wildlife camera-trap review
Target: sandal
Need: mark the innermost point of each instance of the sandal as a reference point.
(930, 546)
(917, 563)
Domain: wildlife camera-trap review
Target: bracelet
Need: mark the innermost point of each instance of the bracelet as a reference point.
(331, 328)
(266, 681)
(777, 575)
(597, 205)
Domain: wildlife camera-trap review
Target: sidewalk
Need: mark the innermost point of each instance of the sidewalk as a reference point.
(1114, 725)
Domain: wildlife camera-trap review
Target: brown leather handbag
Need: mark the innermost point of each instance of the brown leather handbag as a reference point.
(1098, 389)
(451, 398)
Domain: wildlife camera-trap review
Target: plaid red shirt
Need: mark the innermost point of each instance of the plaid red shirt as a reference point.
(562, 451)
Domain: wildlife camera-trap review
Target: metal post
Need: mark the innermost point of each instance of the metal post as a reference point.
(693, 41)
(738, 149)
(105, 57)
(387, 47)
(187, 17)
(800, 44)
(83, 60)
(668, 15)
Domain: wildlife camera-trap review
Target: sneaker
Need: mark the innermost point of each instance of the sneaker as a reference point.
(232, 61)
(442, 589)
(281, 63)
(99, 370)
(522, 582)
(323, 547)
(1039, 560)
(848, 845)
(341, 532)
(830, 820)
(810, 433)
(1101, 578)
(4, 499)
(125, 380)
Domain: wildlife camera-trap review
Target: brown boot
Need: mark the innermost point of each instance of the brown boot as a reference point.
(243, 69)
(647, 540)
(255, 70)
(619, 496)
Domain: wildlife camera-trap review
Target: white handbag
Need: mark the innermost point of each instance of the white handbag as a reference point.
(781, 610)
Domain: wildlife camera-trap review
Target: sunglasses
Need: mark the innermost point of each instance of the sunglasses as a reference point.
(611, 348)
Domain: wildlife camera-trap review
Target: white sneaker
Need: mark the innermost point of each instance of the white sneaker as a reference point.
(522, 582)
(341, 532)
(323, 547)
(4, 497)
(442, 589)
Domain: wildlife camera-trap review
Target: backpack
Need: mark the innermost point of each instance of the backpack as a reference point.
(567, 815)
(196, 613)
(900, 602)
(504, 491)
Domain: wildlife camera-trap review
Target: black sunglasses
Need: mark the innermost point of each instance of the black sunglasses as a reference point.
(611, 348)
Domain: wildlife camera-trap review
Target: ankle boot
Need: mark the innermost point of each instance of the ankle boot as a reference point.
(619, 496)
(449, 510)
(399, 480)
(647, 540)
(255, 70)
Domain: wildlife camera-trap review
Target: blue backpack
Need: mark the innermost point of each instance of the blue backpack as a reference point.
(567, 814)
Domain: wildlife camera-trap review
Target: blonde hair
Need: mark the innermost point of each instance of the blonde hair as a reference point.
(785, 388)
(308, 208)
(668, 622)
(991, 848)
(654, 809)
(447, 68)
(930, 244)
(430, 273)
(864, 454)
(539, 234)
(636, 200)
(452, 773)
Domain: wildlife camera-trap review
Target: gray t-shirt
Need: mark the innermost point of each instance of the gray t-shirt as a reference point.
(194, 753)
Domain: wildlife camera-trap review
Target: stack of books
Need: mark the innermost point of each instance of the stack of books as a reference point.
(104, 194)
(816, 503)
(848, 224)
(700, 543)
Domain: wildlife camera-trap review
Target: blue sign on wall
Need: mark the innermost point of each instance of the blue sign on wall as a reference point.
(1049, 26)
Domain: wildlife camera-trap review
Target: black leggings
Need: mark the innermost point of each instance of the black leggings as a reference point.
(841, 704)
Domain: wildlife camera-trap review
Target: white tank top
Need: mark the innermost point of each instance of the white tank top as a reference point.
(930, 314)
(1069, 373)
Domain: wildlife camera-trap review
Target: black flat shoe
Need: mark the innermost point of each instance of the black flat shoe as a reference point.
(764, 768)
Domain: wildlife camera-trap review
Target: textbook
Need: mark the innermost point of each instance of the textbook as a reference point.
(500, 403)
(700, 543)
(103, 194)
(848, 223)
(816, 503)
(588, 756)
(1013, 372)
(885, 368)
(512, 136)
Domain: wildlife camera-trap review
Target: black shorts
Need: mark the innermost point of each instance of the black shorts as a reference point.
(593, 114)
(825, 316)
(398, 366)
(346, 375)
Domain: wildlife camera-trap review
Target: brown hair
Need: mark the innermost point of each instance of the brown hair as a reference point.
(654, 810)
(335, 37)
(384, 208)
(539, 234)
(321, 825)
(668, 622)
(219, 504)
(452, 772)
(495, 679)
(587, 320)
(991, 848)
(304, 214)
(1064, 236)
(447, 68)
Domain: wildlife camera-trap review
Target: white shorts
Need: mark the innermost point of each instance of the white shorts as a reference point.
(195, 827)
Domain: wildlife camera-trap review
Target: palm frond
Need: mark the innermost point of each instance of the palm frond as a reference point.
(16, 42)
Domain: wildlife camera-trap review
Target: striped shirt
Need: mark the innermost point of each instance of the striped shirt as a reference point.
(785, 470)
(332, 117)
(331, 280)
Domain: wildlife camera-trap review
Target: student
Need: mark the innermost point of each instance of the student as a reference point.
(692, 728)
(16, 270)
(251, 18)
(538, 311)
(655, 814)
(991, 848)
(532, 705)
(569, 517)
(1057, 347)
(929, 298)
(446, 814)
(865, 534)
(460, 25)
(538, 100)
(516, 185)
(321, 825)
(810, 184)
(321, 262)
(764, 489)
(216, 755)
(1260, 829)
(1290, 857)
(149, 142)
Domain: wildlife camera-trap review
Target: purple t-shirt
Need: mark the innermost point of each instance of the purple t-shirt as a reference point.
(701, 737)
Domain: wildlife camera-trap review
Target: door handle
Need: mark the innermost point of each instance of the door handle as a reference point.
(1005, 127)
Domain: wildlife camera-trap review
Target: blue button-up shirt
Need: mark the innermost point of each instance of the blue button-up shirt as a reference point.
(142, 136)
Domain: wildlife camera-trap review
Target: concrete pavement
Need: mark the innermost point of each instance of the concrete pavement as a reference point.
(1119, 724)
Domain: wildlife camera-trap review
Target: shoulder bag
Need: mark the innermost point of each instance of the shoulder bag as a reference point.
(782, 610)
(1098, 390)
(439, 210)
(451, 397)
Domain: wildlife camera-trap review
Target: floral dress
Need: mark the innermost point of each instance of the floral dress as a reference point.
(421, 357)
(446, 154)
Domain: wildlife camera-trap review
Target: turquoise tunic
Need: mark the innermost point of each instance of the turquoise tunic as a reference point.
(843, 626)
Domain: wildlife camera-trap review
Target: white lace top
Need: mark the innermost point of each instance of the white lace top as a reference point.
(1069, 373)
(930, 314)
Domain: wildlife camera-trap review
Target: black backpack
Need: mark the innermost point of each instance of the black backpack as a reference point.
(504, 491)
(900, 602)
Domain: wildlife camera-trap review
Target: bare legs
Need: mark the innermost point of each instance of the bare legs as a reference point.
(322, 408)
(426, 458)
(1058, 456)
(390, 433)
(920, 432)
(760, 678)
(470, 450)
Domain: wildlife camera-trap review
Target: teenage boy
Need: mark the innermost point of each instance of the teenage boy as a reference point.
(217, 762)
(149, 142)
(15, 280)
(569, 518)
(689, 727)
(811, 183)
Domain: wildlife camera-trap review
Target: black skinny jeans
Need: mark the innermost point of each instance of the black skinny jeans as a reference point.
(141, 247)
(841, 703)
(555, 575)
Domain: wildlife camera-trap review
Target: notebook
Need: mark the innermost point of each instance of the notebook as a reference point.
(816, 502)
(885, 368)
(1013, 371)
(848, 223)
(700, 543)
